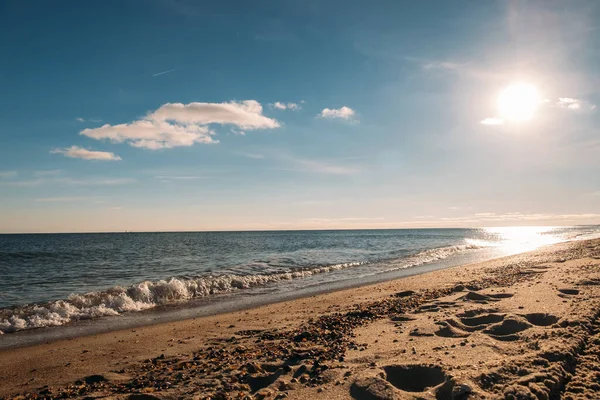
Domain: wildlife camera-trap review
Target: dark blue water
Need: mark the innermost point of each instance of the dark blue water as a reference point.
(55, 279)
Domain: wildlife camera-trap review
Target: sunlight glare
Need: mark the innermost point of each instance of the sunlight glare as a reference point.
(516, 239)
(518, 102)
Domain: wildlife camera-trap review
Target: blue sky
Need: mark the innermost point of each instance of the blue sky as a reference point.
(180, 115)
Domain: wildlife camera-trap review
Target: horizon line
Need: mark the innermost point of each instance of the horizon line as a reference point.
(291, 230)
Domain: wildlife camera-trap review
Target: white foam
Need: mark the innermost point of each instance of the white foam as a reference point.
(429, 256)
(140, 296)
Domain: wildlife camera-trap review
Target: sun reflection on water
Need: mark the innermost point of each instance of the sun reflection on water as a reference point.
(516, 239)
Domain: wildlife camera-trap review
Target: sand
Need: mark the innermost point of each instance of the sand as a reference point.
(520, 327)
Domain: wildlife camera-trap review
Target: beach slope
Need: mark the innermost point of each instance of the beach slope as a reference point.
(520, 327)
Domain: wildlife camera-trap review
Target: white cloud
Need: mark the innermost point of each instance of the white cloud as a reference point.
(177, 124)
(344, 113)
(152, 135)
(568, 102)
(80, 152)
(492, 121)
(79, 119)
(575, 104)
(7, 174)
(289, 106)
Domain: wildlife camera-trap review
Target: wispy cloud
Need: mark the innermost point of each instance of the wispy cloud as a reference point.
(22, 183)
(467, 69)
(97, 181)
(80, 152)
(441, 65)
(177, 124)
(575, 104)
(164, 72)
(46, 173)
(343, 112)
(68, 181)
(180, 178)
(255, 156)
(568, 103)
(80, 119)
(61, 199)
(490, 217)
(492, 121)
(8, 174)
(286, 106)
(328, 221)
(317, 166)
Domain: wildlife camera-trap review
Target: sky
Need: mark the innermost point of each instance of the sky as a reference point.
(168, 115)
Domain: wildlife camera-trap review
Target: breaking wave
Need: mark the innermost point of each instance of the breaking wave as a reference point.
(149, 294)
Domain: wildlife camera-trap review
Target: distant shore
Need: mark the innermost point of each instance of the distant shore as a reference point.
(516, 326)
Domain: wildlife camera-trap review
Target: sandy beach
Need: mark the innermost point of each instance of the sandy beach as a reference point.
(519, 327)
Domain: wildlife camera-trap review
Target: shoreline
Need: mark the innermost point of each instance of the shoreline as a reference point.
(330, 334)
(222, 303)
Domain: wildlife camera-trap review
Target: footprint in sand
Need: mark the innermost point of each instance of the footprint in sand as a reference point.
(405, 293)
(477, 312)
(262, 381)
(497, 326)
(473, 324)
(428, 308)
(485, 319)
(485, 298)
(541, 319)
(420, 381)
(414, 378)
(449, 331)
(590, 282)
(402, 318)
(569, 291)
(436, 306)
(507, 329)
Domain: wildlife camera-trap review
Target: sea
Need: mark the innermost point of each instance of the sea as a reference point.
(64, 285)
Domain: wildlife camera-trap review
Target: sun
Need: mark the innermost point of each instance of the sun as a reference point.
(518, 102)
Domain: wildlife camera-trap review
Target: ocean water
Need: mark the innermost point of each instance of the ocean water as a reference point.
(49, 280)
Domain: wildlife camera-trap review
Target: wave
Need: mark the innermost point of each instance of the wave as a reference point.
(440, 253)
(150, 294)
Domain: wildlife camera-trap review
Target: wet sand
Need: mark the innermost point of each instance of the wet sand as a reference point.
(520, 327)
